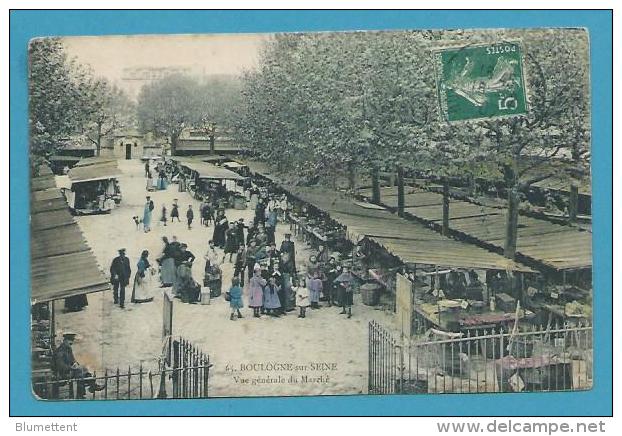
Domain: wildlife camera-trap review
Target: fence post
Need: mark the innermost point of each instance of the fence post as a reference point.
(140, 381)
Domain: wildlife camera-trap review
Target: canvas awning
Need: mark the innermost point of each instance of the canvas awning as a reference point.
(551, 245)
(62, 264)
(409, 241)
(90, 169)
(60, 158)
(208, 171)
(232, 164)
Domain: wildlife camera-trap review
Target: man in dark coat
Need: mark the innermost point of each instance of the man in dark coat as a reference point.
(120, 273)
(68, 368)
(260, 212)
(239, 228)
(190, 216)
(287, 246)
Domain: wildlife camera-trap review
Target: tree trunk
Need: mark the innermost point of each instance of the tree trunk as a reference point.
(212, 141)
(511, 229)
(98, 145)
(174, 139)
(375, 185)
(400, 191)
(351, 177)
(445, 230)
(573, 203)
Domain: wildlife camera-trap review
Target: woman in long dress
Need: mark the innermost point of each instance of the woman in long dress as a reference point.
(255, 291)
(167, 264)
(220, 228)
(141, 293)
(147, 215)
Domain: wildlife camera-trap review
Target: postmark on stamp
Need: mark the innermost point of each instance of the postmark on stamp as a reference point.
(481, 81)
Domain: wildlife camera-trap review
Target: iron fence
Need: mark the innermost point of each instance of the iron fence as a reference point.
(182, 372)
(524, 359)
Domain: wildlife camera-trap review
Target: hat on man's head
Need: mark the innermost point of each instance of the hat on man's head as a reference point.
(121, 250)
(288, 235)
(69, 335)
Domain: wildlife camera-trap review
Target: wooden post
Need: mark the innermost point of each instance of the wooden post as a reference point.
(400, 191)
(511, 229)
(375, 185)
(573, 203)
(445, 230)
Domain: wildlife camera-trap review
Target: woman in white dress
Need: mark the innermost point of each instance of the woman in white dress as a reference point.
(142, 292)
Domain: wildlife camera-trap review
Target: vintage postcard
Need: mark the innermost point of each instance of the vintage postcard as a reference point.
(296, 214)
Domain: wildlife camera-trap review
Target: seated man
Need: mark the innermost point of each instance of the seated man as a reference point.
(68, 368)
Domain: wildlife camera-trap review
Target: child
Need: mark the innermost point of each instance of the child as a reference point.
(163, 218)
(271, 301)
(175, 211)
(302, 296)
(235, 292)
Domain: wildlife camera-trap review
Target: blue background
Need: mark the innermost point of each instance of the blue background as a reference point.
(26, 25)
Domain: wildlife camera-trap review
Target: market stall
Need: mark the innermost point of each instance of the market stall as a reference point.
(94, 186)
(206, 180)
(63, 268)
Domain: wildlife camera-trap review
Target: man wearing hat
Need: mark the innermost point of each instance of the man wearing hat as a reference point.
(287, 246)
(68, 368)
(120, 273)
(239, 227)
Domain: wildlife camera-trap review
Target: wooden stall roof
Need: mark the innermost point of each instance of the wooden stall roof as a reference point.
(409, 241)
(62, 264)
(89, 161)
(557, 183)
(552, 245)
(62, 158)
(209, 171)
(94, 168)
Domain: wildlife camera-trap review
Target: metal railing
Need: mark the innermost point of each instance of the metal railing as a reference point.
(186, 376)
(487, 360)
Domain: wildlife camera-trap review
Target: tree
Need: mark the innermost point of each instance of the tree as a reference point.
(54, 98)
(219, 97)
(107, 109)
(168, 106)
(523, 149)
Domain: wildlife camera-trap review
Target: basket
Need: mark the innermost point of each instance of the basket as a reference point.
(370, 294)
(205, 296)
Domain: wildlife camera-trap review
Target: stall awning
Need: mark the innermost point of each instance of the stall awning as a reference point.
(233, 165)
(94, 169)
(409, 241)
(59, 158)
(89, 161)
(551, 245)
(62, 264)
(209, 171)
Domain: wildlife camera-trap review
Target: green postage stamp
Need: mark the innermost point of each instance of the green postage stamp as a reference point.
(482, 81)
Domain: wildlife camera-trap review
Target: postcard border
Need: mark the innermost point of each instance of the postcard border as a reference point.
(25, 25)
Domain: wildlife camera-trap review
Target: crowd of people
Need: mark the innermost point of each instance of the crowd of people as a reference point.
(267, 277)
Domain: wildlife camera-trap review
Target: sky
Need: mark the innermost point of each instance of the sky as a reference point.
(203, 54)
